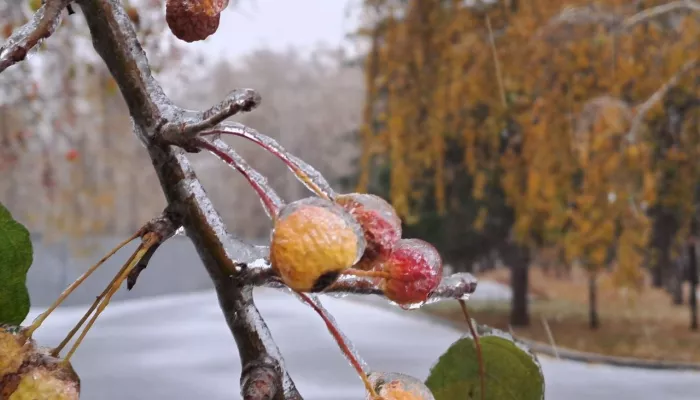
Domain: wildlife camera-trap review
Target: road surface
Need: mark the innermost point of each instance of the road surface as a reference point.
(178, 347)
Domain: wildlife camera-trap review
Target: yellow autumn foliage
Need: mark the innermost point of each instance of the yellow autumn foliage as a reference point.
(567, 82)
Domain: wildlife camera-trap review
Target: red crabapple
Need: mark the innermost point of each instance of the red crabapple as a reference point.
(380, 224)
(313, 242)
(413, 271)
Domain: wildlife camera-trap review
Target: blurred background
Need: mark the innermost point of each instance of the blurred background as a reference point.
(550, 147)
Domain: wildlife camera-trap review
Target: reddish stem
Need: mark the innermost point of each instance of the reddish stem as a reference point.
(477, 345)
(367, 274)
(280, 153)
(271, 205)
(341, 343)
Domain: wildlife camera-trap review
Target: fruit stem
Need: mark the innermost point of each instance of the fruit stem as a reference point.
(367, 274)
(277, 150)
(39, 320)
(112, 289)
(341, 343)
(269, 198)
(477, 345)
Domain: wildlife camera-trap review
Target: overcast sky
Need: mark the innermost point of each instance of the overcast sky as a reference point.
(279, 24)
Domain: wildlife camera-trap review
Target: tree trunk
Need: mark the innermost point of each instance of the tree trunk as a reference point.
(593, 321)
(664, 229)
(693, 279)
(675, 282)
(518, 260)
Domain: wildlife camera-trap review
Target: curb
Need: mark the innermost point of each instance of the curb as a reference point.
(564, 353)
(595, 358)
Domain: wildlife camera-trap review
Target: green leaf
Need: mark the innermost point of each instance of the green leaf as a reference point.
(512, 372)
(15, 260)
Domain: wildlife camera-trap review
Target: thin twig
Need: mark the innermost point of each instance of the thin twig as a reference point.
(643, 109)
(24, 39)
(654, 12)
(149, 241)
(239, 100)
(57, 350)
(494, 53)
(37, 322)
(550, 337)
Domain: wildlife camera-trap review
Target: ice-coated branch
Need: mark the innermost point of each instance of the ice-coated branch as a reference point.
(452, 287)
(271, 200)
(115, 40)
(41, 26)
(164, 227)
(239, 100)
(306, 173)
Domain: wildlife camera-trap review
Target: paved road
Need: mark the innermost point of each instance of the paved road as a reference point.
(178, 347)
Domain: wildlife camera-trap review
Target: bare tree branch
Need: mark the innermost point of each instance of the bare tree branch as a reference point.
(164, 226)
(115, 40)
(643, 109)
(452, 287)
(654, 12)
(238, 100)
(24, 39)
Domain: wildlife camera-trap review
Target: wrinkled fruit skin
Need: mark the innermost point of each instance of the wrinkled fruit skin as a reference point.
(28, 372)
(380, 224)
(415, 268)
(395, 386)
(313, 242)
(189, 22)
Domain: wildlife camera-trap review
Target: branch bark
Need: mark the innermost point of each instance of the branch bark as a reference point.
(115, 41)
(42, 25)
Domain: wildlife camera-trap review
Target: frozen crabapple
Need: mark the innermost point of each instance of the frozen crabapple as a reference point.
(413, 271)
(28, 372)
(313, 242)
(395, 386)
(191, 21)
(380, 224)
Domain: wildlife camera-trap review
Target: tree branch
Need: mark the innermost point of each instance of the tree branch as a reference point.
(238, 100)
(452, 287)
(654, 12)
(115, 40)
(24, 39)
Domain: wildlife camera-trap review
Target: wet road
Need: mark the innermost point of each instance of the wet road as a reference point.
(178, 347)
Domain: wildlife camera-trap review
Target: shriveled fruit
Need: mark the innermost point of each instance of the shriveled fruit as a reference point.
(380, 224)
(12, 350)
(193, 20)
(413, 271)
(313, 242)
(395, 386)
(29, 372)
